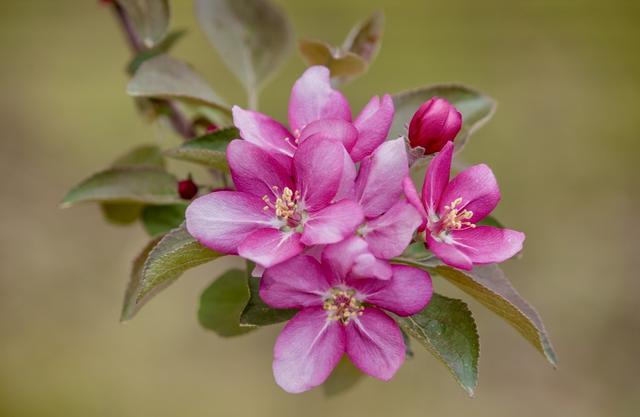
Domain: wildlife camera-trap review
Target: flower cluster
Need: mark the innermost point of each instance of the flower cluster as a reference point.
(323, 207)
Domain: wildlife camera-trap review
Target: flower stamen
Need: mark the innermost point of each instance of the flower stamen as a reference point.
(342, 304)
(454, 219)
(285, 206)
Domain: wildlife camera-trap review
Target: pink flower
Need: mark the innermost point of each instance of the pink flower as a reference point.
(452, 209)
(390, 220)
(339, 314)
(316, 108)
(434, 124)
(279, 208)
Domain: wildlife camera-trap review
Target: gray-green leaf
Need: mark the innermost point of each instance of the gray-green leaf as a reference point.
(489, 285)
(209, 150)
(253, 37)
(446, 328)
(160, 264)
(133, 184)
(475, 107)
(158, 220)
(121, 214)
(149, 17)
(127, 213)
(344, 377)
(257, 313)
(222, 303)
(168, 78)
(143, 155)
(164, 46)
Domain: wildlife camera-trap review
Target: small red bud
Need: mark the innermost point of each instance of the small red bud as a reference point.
(212, 128)
(187, 189)
(434, 124)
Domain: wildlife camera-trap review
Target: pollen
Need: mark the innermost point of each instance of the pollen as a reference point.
(286, 205)
(454, 218)
(342, 304)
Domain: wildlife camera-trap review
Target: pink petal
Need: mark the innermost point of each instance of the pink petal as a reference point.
(263, 131)
(379, 182)
(353, 254)
(332, 224)
(437, 178)
(478, 188)
(411, 194)
(312, 98)
(407, 292)
(255, 171)
(296, 283)
(367, 266)
(375, 344)
(223, 219)
(373, 123)
(318, 164)
(346, 189)
(269, 247)
(335, 129)
(307, 350)
(449, 253)
(487, 244)
(390, 234)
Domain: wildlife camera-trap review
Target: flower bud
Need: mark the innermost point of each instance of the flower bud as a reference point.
(187, 189)
(434, 124)
(212, 128)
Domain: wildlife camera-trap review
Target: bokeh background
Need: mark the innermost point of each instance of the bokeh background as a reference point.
(563, 144)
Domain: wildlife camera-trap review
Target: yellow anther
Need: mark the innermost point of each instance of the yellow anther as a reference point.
(454, 219)
(342, 304)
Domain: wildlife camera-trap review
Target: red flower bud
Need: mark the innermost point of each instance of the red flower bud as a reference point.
(187, 189)
(434, 124)
(212, 128)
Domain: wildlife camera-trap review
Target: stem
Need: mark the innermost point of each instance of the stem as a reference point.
(179, 121)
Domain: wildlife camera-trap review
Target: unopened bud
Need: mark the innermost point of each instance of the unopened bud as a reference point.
(187, 189)
(434, 124)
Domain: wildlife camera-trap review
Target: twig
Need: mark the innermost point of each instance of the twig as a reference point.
(179, 121)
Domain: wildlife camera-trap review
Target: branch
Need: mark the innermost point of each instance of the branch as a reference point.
(179, 121)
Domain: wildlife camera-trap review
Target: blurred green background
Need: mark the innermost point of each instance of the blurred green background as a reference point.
(563, 144)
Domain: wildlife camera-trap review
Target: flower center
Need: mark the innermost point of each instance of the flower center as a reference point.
(285, 206)
(454, 219)
(342, 304)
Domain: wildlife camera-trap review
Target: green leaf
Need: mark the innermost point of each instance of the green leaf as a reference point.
(491, 221)
(222, 303)
(158, 220)
(149, 17)
(144, 155)
(129, 306)
(446, 328)
(489, 285)
(133, 184)
(475, 107)
(257, 313)
(168, 78)
(164, 46)
(127, 213)
(342, 64)
(365, 38)
(209, 150)
(253, 37)
(160, 264)
(121, 214)
(344, 377)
